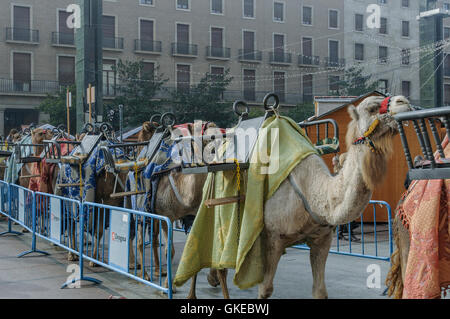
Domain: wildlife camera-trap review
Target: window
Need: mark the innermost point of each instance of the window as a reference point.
(109, 78)
(382, 54)
(333, 84)
(447, 66)
(183, 77)
(405, 3)
(248, 39)
(183, 39)
(405, 28)
(65, 34)
(405, 56)
(307, 48)
(446, 6)
(146, 2)
(279, 85)
(359, 51)
(249, 85)
(217, 73)
(66, 70)
(307, 88)
(307, 17)
(278, 11)
(382, 1)
(21, 24)
(406, 88)
(447, 94)
(333, 19)
(383, 26)
(217, 42)
(109, 32)
(183, 4)
(278, 47)
(217, 6)
(148, 71)
(146, 31)
(383, 86)
(22, 71)
(359, 22)
(249, 8)
(446, 33)
(334, 51)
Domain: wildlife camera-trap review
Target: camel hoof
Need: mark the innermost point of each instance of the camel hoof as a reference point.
(132, 267)
(92, 264)
(191, 297)
(25, 231)
(213, 281)
(156, 273)
(72, 257)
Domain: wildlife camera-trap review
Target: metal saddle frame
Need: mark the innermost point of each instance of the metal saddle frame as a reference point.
(134, 160)
(327, 145)
(429, 168)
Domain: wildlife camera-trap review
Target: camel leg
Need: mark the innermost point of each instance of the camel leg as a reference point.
(73, 244)
(222, 273)
(193, 286)
(273, 253)
(98, 234)
(318, 257)
(166, 236)
(213, 278)
(155, 249)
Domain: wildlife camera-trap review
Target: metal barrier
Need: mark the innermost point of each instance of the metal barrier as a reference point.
(372, 234)
(118, 236)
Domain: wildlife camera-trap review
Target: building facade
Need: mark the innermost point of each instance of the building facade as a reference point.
(296, 48)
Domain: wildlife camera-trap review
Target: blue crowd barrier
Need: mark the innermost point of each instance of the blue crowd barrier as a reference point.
(104, 235)
(368, 246)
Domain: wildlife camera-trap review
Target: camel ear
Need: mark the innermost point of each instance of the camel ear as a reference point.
(147, 127)
(353, 112)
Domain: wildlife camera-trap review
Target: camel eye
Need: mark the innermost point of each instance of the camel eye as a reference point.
(373, 108)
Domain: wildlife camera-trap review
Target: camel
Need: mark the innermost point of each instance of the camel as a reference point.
(189, 187)
(331, 199)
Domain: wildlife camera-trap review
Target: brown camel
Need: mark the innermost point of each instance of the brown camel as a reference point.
(189, 187)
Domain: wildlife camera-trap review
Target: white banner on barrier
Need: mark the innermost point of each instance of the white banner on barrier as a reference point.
(119, 236)
(55, 223)
(21, 205)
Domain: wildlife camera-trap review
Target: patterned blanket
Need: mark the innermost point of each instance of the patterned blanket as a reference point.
(426, 213)
(228, 236)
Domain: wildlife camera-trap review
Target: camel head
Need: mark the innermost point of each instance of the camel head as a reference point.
(148, 129)
(373, 128)
(38, 135)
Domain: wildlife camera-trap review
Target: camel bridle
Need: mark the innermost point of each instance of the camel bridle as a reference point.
(366, 138)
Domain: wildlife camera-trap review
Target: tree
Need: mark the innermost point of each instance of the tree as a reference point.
(355, 83)
(204, 101)
(55, 107)
(137, 92)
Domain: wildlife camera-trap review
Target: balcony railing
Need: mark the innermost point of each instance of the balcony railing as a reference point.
(33, 86)
(218, 52)
(184, 49)
(447, 72)
(280, 57)
(59, 38)
(308, 60)
(147, 46)
(245, 55)
(113, 43)
(334, 62)
(22, 35)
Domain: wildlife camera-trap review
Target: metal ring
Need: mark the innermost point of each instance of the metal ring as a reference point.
(106, 128)
(235, 107)
(156, 118)
(168, 119)
(275, 105)
(61, 128)
(55, 131)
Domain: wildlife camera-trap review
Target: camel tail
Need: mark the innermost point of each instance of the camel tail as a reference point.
(394, 280)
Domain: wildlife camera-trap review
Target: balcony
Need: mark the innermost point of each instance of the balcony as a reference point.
(447, 72)
(184, 49)
(334, 62)
(29, 87)
(279, 57)
(218, 53)
(250, 56)
(113, 43)
(22, 35)
(147, 46)
(63, 39)
(305, 60)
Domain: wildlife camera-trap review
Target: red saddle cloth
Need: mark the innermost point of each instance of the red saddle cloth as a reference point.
(45, 170)
(426, 213)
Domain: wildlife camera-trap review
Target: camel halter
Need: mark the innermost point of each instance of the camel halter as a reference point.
(365, 139)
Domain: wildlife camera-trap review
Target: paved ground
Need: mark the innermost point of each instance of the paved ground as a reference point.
(37, 276)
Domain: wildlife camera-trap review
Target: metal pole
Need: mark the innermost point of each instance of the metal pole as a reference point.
(121, 122)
